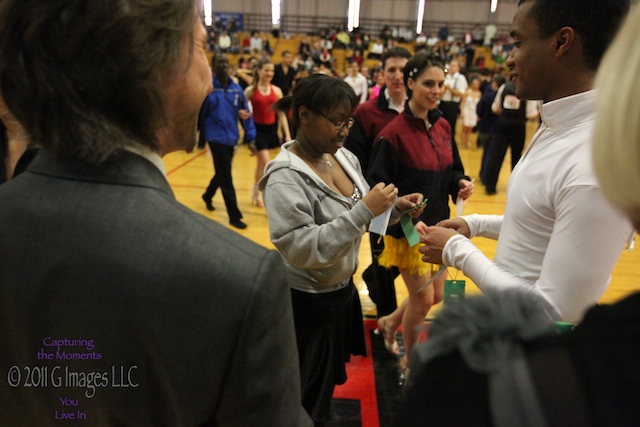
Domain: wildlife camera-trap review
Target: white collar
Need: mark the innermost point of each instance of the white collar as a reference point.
(392, 105)
(148, 154)
(569, 111)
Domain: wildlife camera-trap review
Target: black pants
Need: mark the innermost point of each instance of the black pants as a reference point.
(450, 112)
(508, 135)
(222, 158)
(484, 141)
(380, 280)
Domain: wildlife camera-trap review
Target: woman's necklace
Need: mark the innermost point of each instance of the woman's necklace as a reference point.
(323, 160)
(264, 89)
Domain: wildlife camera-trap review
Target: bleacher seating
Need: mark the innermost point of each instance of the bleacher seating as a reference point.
(340, 56)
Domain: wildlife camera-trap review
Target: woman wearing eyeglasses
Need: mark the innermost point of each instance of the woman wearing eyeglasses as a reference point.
(416, 151)
(319, 205)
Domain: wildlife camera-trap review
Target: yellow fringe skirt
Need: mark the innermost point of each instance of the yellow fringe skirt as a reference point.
(398, 253)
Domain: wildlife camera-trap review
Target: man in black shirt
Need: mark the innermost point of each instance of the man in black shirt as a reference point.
(284, 73)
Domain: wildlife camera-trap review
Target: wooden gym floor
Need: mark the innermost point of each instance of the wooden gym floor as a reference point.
(189, 175)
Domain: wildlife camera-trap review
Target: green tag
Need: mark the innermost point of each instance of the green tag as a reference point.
(564, 327)
(418, 206)
(453, 291)
(409, 230)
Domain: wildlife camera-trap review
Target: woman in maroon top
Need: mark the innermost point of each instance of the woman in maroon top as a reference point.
(416, 151)
(262, 95)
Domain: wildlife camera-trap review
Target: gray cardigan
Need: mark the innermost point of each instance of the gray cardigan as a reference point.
(315, 228)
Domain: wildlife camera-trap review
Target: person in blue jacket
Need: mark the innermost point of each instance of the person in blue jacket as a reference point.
(218, 123)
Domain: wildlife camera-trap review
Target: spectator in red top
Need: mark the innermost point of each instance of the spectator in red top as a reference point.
(263, 94)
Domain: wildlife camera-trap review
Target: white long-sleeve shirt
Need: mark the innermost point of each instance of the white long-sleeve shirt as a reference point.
(359, 85)
(558, 236)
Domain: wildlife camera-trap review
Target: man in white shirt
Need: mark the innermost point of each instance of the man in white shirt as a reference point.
(432, 41)
(376, 50)
(489, 33)
(421, 42)
(558, 237)
(357, 81)
(224, 42)
(256, 43)
(455, 85)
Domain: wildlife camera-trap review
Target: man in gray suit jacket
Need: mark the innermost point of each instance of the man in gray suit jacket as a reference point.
(118, 305)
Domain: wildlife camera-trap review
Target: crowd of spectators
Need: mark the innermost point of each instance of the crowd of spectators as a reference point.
(315, 52)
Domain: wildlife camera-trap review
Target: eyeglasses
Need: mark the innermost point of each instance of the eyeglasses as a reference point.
(339, 125)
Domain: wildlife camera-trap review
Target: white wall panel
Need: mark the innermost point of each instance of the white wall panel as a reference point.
(324, 8)
(308, 7)
(468, 11)
(399, 10)
(505, 12)
(242, 6)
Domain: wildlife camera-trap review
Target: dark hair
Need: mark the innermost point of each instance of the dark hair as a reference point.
(417, 64)
(499, 79)
(595, 21)
(84, 77)
(318, 93)
(395, 52)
